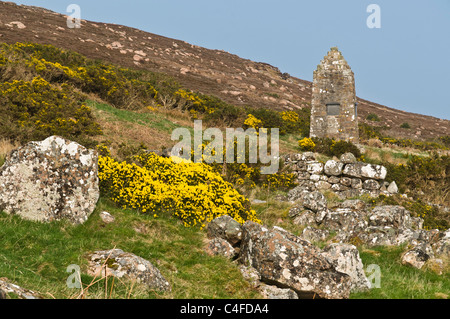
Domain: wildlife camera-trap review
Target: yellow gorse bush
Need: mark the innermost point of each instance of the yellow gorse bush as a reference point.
(253, 122)
(306, 144)
(37, 109)
(192, 192)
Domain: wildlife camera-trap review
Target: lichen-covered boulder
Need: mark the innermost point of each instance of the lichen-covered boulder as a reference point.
(346, 259)
(442, 246)
(50, 180)
(274, 292)
(120, 264)
(288, 261)
(314, 235)
(346, 222)
(296, 193)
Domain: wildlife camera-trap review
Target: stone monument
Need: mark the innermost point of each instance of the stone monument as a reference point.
(333, 106)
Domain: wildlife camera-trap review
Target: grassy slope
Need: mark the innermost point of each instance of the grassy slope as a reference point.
(36, 255)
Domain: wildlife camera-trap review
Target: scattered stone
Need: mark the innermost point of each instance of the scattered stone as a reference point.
(50, 180)
(346, 221)
(120, 264)
(6, 287)
(107, 217)
(355, 204)
(442, 246)
(392, 188)
(297, 193)
(436, 265)
(227, 228)
(320, 215)
(392, 216)
(16, 24)
(307, 217)
(251, 275)
(417, 256)
(379, 236)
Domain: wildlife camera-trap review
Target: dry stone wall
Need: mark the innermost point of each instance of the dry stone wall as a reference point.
(346, 177)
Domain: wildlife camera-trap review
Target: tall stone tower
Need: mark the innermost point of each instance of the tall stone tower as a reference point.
(334, 107)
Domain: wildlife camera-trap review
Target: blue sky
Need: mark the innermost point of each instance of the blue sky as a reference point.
(404, 64)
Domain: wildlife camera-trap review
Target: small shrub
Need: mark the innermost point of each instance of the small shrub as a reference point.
(373, 117)
(252, 122)
(405, 125)
(331, 148)
(307, 144)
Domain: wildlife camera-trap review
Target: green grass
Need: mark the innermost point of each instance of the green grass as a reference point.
(151, 119)
(399, 281)
(36, 255)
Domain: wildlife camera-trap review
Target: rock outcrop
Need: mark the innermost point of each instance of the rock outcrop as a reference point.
(50, 180)
(282, 265)
(288, 261)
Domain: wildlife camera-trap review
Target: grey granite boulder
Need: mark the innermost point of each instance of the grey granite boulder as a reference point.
(50, 180)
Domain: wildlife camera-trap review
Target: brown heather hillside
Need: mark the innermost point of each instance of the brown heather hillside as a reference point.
(235, 80)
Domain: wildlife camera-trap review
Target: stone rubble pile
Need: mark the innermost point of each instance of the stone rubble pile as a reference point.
(387, 225)
(282, 265)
